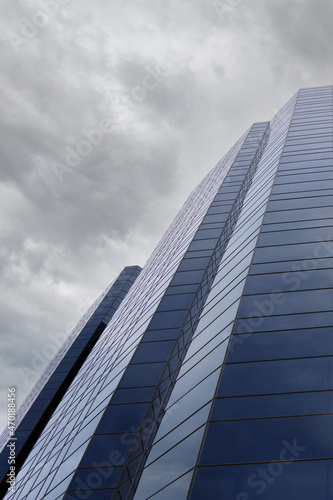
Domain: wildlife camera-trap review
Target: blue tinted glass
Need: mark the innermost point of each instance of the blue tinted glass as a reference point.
(309, 140)
(194, 263)
(112, 446)
(182, 288)
(40, 404)
(304, 214)
(121, 418)
(26, 424)
(268, 377)
(279, 237)
(166, 334)
(303, 176)
(178, 434)
(297, 280)
(276, 323)
(201, 245)
(171, 319)
(217, 209)
(218, 217)
(277, 405)
(141, 375)
(268, 439)
(304, 164)
(203, 234)
(227, 189)
(278, 345)
(96, 478)
(137, 395)
(313, 201)
(190, 277)
(302, 186)
(176, 302)
(175, 490)
(93, 494)
(170, 466)
(295, 265)
(286, 303)
(291, 252)
(152, 351)
(289, 481)
(307, 156)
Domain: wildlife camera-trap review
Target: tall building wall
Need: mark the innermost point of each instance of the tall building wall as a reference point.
(270, 429)
(213, 378)
(45, 396)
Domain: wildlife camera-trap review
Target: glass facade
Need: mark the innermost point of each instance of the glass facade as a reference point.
(49, 390)
(213, 378)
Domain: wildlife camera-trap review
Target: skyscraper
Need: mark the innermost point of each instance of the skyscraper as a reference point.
(214, 376)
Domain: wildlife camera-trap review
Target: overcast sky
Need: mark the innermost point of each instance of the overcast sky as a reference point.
(111, 112)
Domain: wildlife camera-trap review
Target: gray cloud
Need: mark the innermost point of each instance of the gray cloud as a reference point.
(178, 82)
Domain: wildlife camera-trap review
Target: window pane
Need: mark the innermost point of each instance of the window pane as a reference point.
(306, 235)
(269, 377)
(277, 405)
(268, 439)
(297, 280)
(311, 480)
(121, 418)
(278, 345)
(253, 306)
(292, 252)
